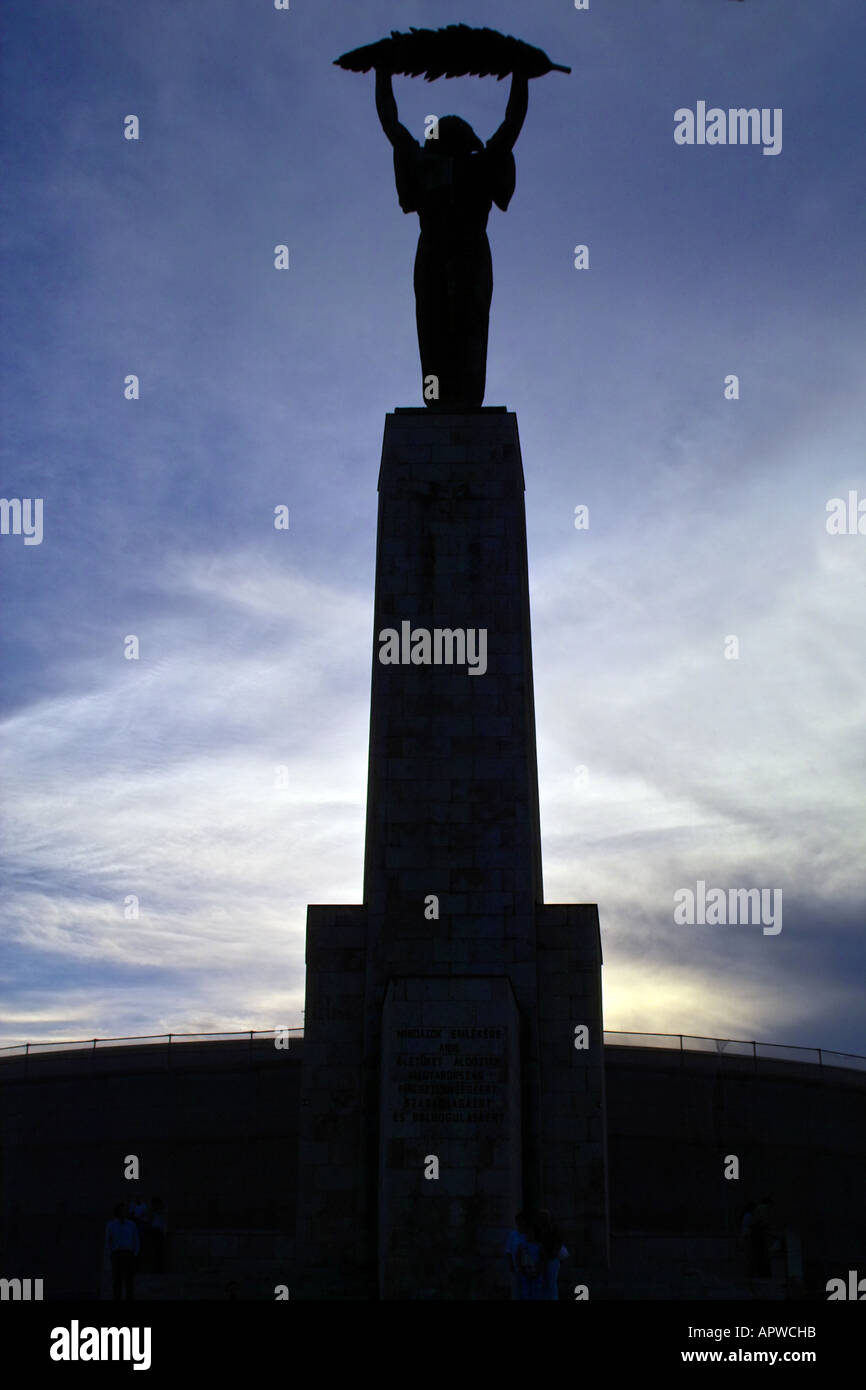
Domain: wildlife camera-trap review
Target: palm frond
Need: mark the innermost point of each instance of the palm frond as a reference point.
(454, 51)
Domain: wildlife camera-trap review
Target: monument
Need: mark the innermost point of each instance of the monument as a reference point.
(453, 1054)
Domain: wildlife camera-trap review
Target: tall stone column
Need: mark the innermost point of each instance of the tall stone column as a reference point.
(441, 1015)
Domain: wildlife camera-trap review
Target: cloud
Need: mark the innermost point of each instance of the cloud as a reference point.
(222, 784)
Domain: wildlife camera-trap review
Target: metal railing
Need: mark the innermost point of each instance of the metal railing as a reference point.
(37, 1049)
(735, 1047)
(674, 1042)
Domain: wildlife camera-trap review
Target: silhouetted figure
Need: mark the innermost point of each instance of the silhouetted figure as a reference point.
(760, 1238)
(157, 1234)
(451, 182)
(139, 1213)
(530, 1262)
(122, 1245)
(553, 1252)
(516, 1238)
(745, 1237)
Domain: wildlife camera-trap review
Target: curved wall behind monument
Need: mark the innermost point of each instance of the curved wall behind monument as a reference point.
(798, 1129)
(215, 1126)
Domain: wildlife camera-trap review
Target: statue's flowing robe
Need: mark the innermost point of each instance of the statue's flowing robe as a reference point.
(452, 195)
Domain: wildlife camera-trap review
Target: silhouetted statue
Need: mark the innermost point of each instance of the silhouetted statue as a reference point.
(452, 181)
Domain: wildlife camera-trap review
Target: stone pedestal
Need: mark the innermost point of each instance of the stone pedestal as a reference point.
(452, 895)
(450, 1163)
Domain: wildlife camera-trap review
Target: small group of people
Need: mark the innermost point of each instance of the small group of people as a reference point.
(534, 1250)
(131, 1234)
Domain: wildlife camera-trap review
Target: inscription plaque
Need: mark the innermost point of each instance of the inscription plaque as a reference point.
(450, 1089)
(450, 1075)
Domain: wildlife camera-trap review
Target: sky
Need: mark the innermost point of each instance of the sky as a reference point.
(664, 759)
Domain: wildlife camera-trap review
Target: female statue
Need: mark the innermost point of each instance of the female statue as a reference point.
(451, 181)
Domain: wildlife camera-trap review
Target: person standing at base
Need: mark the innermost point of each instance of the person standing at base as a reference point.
(530, 1263)
(515, 1239)
(157, 1234)
(760, 1238)
(139, 1213)
(122, 1245)
(552, 1253)
(744, 1239)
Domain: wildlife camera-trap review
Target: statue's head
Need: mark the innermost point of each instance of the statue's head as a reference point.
(456, 137)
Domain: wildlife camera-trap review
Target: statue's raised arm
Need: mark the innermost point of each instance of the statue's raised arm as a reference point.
(515, 114)
(386, 106)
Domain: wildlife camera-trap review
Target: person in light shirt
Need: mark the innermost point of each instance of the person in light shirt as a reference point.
(529, 1258)
(516, 1238)
(122, 1245)
(553, 1252)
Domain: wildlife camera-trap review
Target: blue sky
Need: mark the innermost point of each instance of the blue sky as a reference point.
(258, 387)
